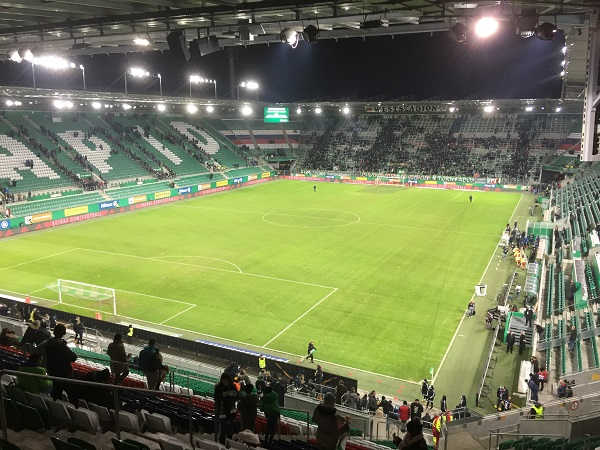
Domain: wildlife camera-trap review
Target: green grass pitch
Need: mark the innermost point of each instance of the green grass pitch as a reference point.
(377, 276)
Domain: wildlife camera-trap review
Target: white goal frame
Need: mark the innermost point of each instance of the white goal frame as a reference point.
(401, 180)
(83, 286)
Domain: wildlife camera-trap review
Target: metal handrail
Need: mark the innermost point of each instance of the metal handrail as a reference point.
(112, 387)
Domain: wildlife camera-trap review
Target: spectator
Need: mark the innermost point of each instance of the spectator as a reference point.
(536, 411)
(572, 338)
(270, 406)
(328, 431)
(30, 332)
(543, 377)
(351, 400)
(58, 362)
(403, 415)
(247, 408)
(533, 387)
(562, 389)
(94, 394)
(372, 404)
(501, 395)
(261, 384)
(118, 359)
(30, 384)
(386, 406)
(414, 439)
(340, 390)
(42, 334)
(8, 338)
(225, 398)
(522, 343)
(364, 402)
(150, 362)
(416, 410)
(424, 389)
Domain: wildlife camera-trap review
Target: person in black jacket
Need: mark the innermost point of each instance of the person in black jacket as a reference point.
(58, 362)
(226, 395)
(443, 404)
(424, 389)
(430, 397)
(42, 334)
(78, 329)
(510, 342)
(529, 317)
(522, 343)
(309, 352)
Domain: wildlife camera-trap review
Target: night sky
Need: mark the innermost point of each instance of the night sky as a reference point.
(422, 65)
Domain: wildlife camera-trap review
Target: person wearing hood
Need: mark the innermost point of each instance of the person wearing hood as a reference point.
(414, 439)
(328, 430)
(270, 406)
(225, 397)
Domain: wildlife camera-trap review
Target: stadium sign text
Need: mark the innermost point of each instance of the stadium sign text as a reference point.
(186, 190)
(109, 205)
(407, 108)
(238, 180)
(5, 224)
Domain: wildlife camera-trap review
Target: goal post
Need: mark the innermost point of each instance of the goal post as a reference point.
(90, 292)
(390, 180)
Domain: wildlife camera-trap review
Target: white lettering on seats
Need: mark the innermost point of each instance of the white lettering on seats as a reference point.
(211, 147)
(19, 153)
(97, 156)
(160, 147)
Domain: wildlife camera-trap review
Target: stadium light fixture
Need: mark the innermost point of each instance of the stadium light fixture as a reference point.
(318, 110)
(289, 36)
(346, 110)
(192, 109)
(546, 31)
(246, 110)
(558, 109)
(311, 34)
(564, 50)
(14, 56)
(210, 108)
(562, 73)
(458, 32)
(563, 63)
(96, 105)
(197, 79)
(486, 26)
(299, 111)
(529, 108)
(138, 72)
(452, 109)
(161, 107)
(141, 41)
(250, 85)
(9, 103)
(26, 55)
(488, 108)
(62, 104)
(126, 106)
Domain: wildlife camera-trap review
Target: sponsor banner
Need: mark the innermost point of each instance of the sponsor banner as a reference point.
(222, 183)
(162, 194)
(137, 199)
(238, 180)
(252, 177)
(265, 174)
(186, 190)
(329, 176)
(361, 178)
(76, 211)
(412, 181)
(203, 187)
(510, 186)
(449, 183)
(489, 185)
(419, 108)
(5, 225)
(430, 182)
(108, 205)
(76, 218)
(37, 218)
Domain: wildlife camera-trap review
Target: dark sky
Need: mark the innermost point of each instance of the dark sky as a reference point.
(421, 65)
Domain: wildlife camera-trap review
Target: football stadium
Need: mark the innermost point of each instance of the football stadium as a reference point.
(232, 224)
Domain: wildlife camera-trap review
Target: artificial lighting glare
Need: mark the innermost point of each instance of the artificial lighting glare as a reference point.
(345, 110)
(318, 110)
(137, 72)
(564, 50)
(210, 109)
(488, 109)
(9, 103)
(60, 104)
(251, 85)
(14, 56)
(246, 110)
(562, 74)
(161, 107)
(52, 62)
(558, 109)
(126, 106)
(195, 79)
(192, 109)
(529, 108)
(141, 41)
(452, 109)
(96, 105)
(299, 111)
(486, 26)
(27, 55)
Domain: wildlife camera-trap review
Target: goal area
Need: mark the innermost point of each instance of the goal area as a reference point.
(390, 181)
(87, 296)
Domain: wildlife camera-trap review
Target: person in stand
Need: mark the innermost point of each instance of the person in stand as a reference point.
(373, 403)
(403, 415)
(42, 334)
(533, 387)
(310, 351)
(424, 389)
(30, 384)
(430, 397)
(149, 362)
(58, 363)
(444, 404)
(529, 317)
(328, 430)
(340, 390)
(543, 377)
(416, 410)
(118, 359)
(536, 411)
(319, 375)
(510, 342)
(351, 399)
(30, 332)
(130, 334)
(572, 338)
(262, 363)
(518, 290)
(414, 439)
(225, 397)
(522, 343)
(270, 406)
(78, 329)
(247, 408)
(535, 364)
(502, 395)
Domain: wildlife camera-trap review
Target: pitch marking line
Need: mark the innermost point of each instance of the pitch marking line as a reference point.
(472, 297)
(456, 196)
(206, 267)
(37, 259)
(172, 317)
(300, 317)
(203, 257)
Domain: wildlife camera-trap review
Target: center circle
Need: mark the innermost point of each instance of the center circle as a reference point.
(312, 218)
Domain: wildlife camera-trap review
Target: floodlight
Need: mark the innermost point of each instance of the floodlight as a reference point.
(195, 79)
(346, 110)
(161, 107)
(488, 108)
(564, 50)
(546, 31)
(250, 85)
(210, 109)
(452, 109)
(137, 72)
(458, 32)
(529, 108)
(26, 55)
(96, 105)
(289, 36)
(17, 103)
(14, 56)
(141, 41)
(563, 62)
(192, 109)
(9, 103)
(318, 110)
(562, 74)
(311, 34)
(68, 104)
(486, 26)
(558, 109)
(126, 106)
(52, 62)
(299, 111)
(246, 110)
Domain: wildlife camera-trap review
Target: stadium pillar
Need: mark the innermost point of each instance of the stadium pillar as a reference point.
(590, 135)
(232, 55)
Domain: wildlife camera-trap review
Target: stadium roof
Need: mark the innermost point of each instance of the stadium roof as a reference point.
(85, 27)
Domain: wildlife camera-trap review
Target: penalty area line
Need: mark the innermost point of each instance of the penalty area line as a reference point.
(179, 313)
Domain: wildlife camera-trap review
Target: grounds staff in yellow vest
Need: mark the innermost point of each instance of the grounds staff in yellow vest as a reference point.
(262, 362)
(130, 334)
(536, 411)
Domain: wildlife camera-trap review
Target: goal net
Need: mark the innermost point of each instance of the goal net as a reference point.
(86, 296)
(390, 181)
